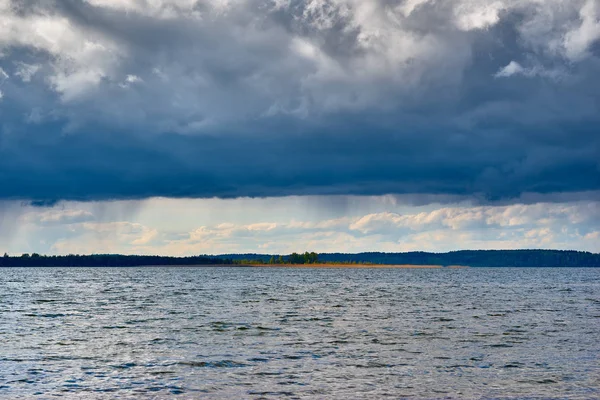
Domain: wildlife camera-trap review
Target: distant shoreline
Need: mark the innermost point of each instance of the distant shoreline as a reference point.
(302, 266)
(288, 266)
(341, 265)
(412, 260)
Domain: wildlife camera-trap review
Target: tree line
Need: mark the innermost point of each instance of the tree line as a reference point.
(105, 260)
(472, 258)
(117, 260)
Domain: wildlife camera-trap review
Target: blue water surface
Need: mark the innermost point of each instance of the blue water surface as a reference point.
(227, 332)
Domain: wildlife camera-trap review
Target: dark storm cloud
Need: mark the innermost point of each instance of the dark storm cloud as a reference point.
(110, 100)
(87, 167)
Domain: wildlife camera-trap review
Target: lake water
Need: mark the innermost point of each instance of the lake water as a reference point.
(299, 333)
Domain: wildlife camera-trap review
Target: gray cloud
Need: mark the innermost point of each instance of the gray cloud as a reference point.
(107, 99)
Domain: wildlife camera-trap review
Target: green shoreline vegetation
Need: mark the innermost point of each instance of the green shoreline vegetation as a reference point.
(470, 258)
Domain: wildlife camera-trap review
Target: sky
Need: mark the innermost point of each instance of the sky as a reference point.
(218, 126)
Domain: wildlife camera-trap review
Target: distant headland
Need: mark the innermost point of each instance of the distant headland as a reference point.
(463, 258)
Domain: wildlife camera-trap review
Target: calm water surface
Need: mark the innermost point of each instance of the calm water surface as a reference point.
(299, 333)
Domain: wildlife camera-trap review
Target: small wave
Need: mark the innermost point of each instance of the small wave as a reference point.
(292, 357)
(286, 394)
(214, 364)
(125, 365)
(514, 365)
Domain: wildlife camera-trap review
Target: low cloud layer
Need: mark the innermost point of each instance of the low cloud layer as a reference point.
(283, 227)
(129, 99)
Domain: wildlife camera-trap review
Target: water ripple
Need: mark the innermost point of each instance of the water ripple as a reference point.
(299, 333)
